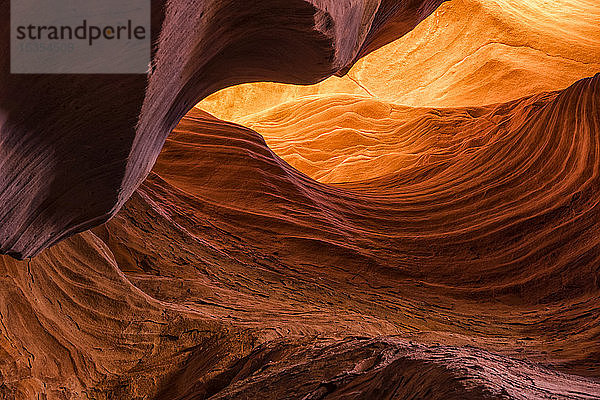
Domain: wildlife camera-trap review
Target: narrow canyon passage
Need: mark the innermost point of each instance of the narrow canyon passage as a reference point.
(422, 226)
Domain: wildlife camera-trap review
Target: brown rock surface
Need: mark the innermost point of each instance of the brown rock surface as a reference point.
(229, 274)
(358, 249)
(74, 148)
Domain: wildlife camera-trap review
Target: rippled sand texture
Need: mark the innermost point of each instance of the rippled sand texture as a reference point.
(343, 245)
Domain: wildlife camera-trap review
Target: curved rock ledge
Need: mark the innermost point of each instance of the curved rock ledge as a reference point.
(74, 148)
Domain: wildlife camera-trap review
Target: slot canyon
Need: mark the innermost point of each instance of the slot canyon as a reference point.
(309, 199)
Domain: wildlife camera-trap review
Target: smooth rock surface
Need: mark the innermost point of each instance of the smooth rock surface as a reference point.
(75, 147)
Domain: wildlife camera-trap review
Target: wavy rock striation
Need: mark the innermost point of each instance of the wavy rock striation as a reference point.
(469, 272)
(465, 53)
(74, 148)
(357, 249)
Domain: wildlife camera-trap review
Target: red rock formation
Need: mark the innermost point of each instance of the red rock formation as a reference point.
(74, 148)
(413, 252)
(229, 274)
